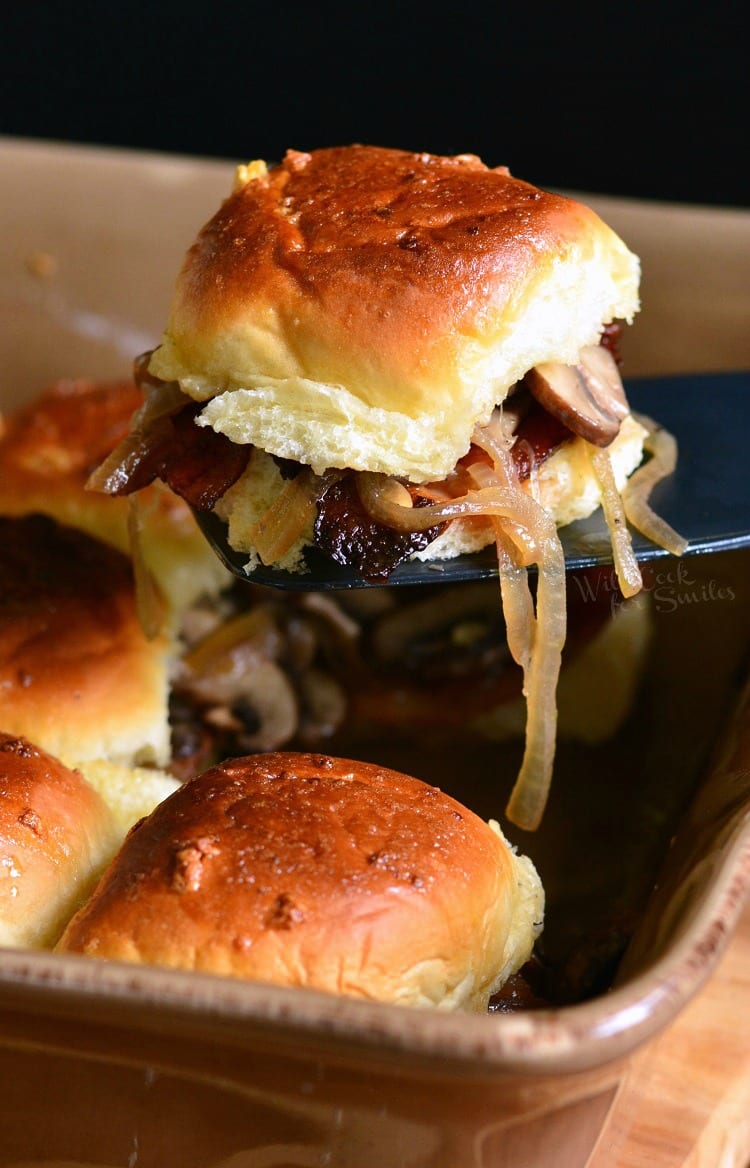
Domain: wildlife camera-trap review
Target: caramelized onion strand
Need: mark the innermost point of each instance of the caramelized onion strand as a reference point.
(113, 475)
(626, 565)
(528, 798)
(148, 599)
(545, 636)
(518, 605)
(662, 446)
(288, 516)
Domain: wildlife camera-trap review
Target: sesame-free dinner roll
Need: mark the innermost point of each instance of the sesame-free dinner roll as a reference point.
(307, 870)
(365, 307)
(78, 675)
(56, 834)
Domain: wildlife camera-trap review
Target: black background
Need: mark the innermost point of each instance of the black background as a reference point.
(645, 100)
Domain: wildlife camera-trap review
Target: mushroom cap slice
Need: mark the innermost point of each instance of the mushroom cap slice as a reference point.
(588, 397)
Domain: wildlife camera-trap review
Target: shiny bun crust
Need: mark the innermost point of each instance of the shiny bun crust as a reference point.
(365, 307)
(48, 448)
(56, 834)
(78, 676)
(306, 870)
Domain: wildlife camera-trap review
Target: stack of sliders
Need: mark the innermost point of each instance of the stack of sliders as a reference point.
(254, 668)
(84, 732)
(387, 355)
(84, 719)
(268, 867)
(48, 447)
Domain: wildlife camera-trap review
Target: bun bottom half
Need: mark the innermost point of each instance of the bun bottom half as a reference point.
(567, 488)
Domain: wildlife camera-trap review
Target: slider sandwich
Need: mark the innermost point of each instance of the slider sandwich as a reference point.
(391, 355)
(319, 872)
(48, 448)
(84, 730)
(59, 827)
(56, 834)
(78, 675)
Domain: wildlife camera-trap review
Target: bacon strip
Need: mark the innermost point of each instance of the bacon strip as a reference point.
(353, 538)
(196, 463)
(200, 465)
(537, 438)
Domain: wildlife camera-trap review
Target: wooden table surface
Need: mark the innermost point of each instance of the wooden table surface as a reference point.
(685, 1099)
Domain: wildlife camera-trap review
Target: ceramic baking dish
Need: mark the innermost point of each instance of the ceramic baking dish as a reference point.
(645, 849)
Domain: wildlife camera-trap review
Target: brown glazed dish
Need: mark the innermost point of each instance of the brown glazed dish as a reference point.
(644, 849)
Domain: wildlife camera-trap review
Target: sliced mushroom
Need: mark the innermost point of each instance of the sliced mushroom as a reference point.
(322, 605)
(233, 646)
(300, 642)
(336, 633)
(261, 708)
(604, 378)
(588, 397)
(444, 635)
(323, 706)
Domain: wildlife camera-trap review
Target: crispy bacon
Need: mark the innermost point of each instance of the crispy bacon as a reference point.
(538, 436)
(196, 463)
(202, 464)
(346, 532)
(351, 537)
(165, 443)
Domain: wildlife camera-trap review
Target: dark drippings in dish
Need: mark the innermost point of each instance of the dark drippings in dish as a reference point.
(399, 677)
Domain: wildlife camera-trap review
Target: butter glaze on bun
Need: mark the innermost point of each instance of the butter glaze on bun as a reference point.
(56, 834)
(362, 307)
(78, 676)
(307, 870)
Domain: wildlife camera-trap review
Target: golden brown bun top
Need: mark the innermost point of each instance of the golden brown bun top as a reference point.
(48, 449)
(70, 427)
(77, 674)
(393, 294)
(314, 871)
(55, 835)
